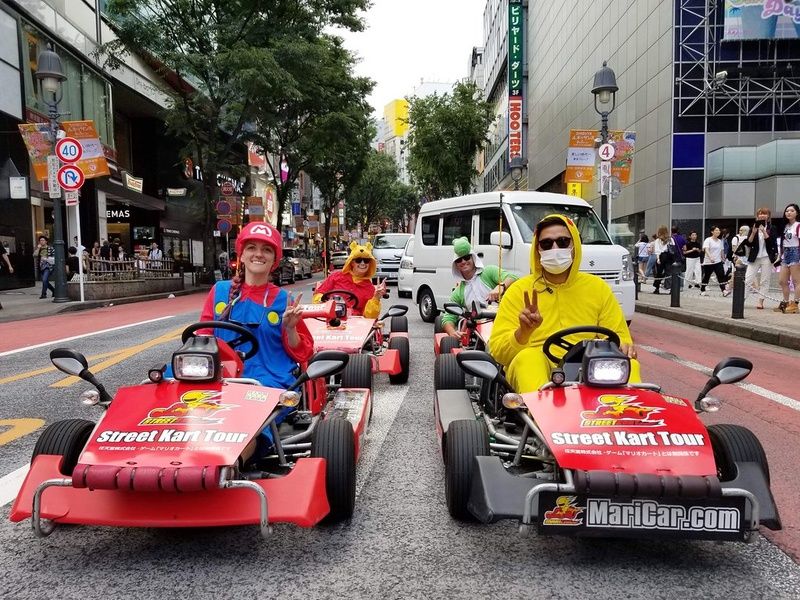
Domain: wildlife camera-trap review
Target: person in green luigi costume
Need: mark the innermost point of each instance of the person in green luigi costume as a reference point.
(476, 283)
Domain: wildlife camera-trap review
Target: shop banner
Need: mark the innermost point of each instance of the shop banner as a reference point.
(762, 20)
(581, 155)
(135, 184)
(37, 140)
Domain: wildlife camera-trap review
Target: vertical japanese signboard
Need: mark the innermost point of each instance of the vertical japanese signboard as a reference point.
(581, 155)
(516, 57)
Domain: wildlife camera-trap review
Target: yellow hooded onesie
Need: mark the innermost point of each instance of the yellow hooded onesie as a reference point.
(583, 299)
(362, 287)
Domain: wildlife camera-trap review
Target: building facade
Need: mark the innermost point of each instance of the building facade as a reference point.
(704, 105)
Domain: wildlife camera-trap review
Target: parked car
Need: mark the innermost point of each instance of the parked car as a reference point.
(338, 259)
(404, 275)
(387, 248)
(300, 261)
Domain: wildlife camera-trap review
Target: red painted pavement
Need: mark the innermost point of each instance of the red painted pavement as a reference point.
(776, 426)
(19, 334)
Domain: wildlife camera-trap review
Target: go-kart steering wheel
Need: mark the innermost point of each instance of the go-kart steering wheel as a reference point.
(245, 335)
(350, 296)
(559, 339)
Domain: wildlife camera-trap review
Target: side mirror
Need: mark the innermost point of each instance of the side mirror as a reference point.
(69, 361)
(733, 369)
(500, 238)
(397, 310)
(323, 364)
(478, 363)
(454, 309)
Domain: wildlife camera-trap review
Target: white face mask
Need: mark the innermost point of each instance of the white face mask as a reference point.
(556, 260)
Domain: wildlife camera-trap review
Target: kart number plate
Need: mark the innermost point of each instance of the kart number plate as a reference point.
(712, 519)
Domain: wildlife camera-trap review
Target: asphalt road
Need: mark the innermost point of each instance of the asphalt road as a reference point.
(401, 543)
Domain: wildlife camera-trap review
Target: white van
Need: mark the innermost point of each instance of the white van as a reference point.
(477, 217)
(387, 248)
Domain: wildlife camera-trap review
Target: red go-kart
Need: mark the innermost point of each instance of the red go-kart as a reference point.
(474, 324)
(370, 349)
(207, 448)
(590, 454)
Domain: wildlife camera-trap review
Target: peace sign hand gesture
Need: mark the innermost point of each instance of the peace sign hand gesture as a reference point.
(293, 313)
(529, 317)
(380, 289)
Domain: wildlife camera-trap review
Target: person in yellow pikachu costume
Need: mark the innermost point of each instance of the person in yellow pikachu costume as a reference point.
(356, 277)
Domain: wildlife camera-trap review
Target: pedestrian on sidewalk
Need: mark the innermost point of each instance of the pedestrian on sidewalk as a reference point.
(762, 254)
(663, 249)
(643, 255)
(651, 258)
(46, 255)
(692, 252)
(714, 261)
(790, 259)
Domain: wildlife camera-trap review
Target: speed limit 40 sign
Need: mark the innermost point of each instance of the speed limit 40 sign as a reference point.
(69, 150)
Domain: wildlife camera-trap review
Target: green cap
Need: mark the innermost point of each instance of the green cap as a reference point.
(461, 247)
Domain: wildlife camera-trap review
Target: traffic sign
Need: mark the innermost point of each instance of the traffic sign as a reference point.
(70, 177)
(227, 189)
(224, 226)
(606, 151)
(71, 198)
(53, 189)
(69, 150)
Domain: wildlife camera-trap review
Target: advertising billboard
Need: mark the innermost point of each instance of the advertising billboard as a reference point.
(762, 19)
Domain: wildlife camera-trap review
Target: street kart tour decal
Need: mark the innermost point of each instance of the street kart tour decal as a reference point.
(565, 513)
(618, 410)
(195, 407)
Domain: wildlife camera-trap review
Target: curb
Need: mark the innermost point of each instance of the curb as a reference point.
(78, 306)
(766, 335)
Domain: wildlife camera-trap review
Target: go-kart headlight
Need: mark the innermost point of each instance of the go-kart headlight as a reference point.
(608, 371)
(512, 400)
(709, 404)
(195, 367)
(289, 398)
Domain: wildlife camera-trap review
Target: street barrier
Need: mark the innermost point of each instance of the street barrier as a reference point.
(737, 311)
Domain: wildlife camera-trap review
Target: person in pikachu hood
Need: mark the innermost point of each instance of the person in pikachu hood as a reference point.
(475, 283)
(356, 277)
(556, 295)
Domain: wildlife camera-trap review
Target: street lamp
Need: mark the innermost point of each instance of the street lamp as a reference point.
(518, 166)
(605, 91)
(50, 75)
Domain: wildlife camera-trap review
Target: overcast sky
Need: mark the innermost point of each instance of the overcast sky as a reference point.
(409, 40)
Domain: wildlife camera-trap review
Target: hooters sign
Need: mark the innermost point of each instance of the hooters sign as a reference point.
(514, 127)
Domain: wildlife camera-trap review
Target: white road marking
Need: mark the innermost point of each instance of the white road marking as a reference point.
(386, 403)
(75, 337)
(11, 483)
(750, 387)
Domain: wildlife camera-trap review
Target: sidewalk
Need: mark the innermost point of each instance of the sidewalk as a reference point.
(714, 312)
(25, 303)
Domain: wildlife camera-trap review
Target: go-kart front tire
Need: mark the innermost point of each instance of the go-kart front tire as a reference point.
(401, 345)
(465, 440)
(65, 438)
(437, 325)
(358, 372)
(399, 324)
(447, 344)
(447, 374)
(734, 443)
(333, 440)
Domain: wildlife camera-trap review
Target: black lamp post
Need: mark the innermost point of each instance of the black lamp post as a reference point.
(518, 165)
(50, 75)
(605, 91)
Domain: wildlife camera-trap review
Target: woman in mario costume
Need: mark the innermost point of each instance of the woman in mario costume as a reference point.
(356, 277)
(250, 299)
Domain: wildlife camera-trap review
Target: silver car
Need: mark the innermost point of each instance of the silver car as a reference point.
(406, 271)
(338, 259)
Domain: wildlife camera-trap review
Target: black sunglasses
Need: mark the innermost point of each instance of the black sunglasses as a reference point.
(461, 259)
(561, 242)
(361, 260)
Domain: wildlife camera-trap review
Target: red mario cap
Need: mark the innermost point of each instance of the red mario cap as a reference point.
(259, 231)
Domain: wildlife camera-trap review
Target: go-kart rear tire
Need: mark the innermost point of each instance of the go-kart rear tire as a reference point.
(399, 324)
(358, 372)
(333, 440)
(401, 345)
(447, 344)
(447, 374)
(437, 325)
(465, 440)
(65, 438)
(732, 443)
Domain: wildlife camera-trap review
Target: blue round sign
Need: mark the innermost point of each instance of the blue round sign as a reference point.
(224, 226)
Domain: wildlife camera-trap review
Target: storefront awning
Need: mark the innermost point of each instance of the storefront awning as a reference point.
(115, 190)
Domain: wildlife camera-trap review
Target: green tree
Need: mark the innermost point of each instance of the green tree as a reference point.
(223, 59)
(375, 192)
(446, 133)
(405, 206)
